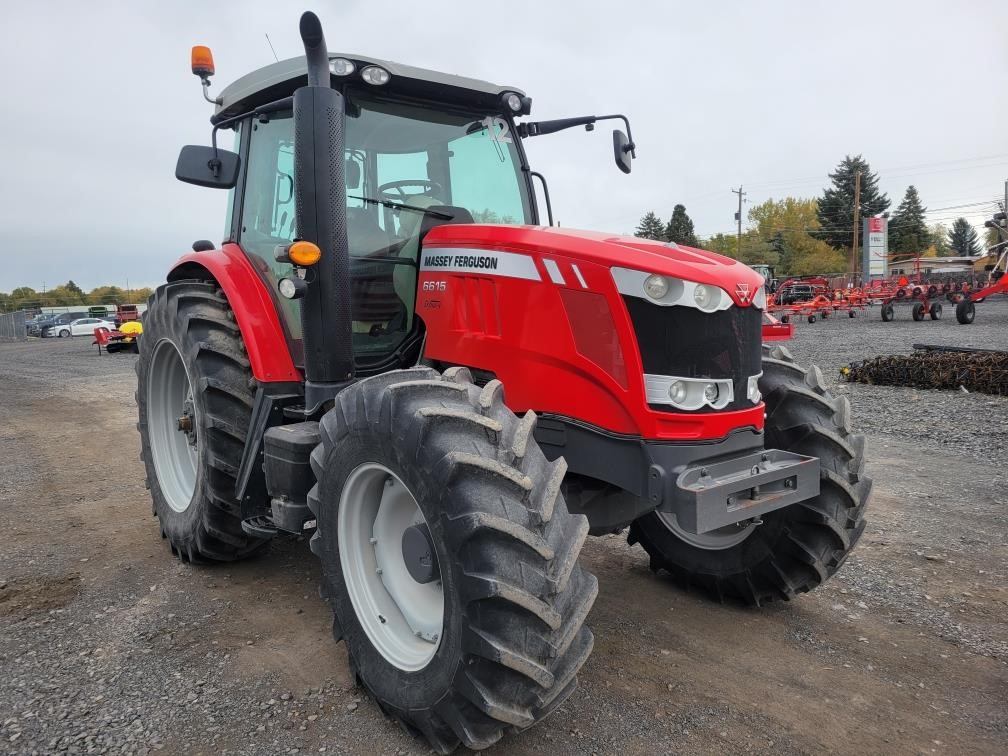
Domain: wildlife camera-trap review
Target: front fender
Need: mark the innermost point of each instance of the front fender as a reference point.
(250, 300)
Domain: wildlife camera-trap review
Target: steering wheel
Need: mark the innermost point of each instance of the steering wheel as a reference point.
(429, 187)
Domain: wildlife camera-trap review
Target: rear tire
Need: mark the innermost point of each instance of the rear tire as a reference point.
(918, 311)
(190, 339)
(936, 311)
(797, 548)
(887, 313)
(514, 598)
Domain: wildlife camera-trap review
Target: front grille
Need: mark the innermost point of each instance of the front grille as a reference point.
(688, 343)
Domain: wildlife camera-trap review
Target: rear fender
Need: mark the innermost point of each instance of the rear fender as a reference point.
(250, 300)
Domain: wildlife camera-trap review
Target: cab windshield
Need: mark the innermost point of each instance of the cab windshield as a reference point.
(403, 161)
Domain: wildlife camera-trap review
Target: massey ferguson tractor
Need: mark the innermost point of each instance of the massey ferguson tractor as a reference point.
(390, 353)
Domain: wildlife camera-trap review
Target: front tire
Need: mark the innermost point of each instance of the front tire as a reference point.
(514, 600)
(799, 547)
(195, 401)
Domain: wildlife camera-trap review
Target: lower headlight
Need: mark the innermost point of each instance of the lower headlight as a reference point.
(677, 392)
(710, 393)
(752, 389)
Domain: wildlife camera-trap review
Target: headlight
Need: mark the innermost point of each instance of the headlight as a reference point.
(710, 393)
(689, 394)
(514, 102)
(677, 392)
(656, 286)
(375, 75)
(342, 66)
(707, 298)
(292, 287)
(752, 389)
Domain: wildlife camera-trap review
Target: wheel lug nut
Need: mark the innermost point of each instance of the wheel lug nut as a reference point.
(185, 423)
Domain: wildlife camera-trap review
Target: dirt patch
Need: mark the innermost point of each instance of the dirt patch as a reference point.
(27, 596)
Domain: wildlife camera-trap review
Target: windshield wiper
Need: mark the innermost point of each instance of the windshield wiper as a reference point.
(404, 206)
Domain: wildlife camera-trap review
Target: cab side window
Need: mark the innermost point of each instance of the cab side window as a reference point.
(268, 208)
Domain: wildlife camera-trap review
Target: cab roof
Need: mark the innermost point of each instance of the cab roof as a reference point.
(280, 79)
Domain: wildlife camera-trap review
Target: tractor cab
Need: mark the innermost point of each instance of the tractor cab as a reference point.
(409, 164)
(420, 148)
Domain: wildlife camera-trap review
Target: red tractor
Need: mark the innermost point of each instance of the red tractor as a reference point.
(391, 354)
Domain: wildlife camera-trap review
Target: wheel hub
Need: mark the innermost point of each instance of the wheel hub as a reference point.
(185, 421)
(418, 554)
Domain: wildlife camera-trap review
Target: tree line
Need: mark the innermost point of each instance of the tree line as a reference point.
(802, 236)
(69, 295)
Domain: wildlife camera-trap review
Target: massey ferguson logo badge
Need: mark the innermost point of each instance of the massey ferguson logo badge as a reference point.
(742, 290)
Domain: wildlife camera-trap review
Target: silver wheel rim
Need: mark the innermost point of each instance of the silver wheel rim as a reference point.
(174, 448)
(403, 619)
(713, 540)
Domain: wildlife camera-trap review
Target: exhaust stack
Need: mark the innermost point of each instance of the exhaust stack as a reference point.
(320, 196)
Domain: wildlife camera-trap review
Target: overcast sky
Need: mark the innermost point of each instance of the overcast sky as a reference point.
(98, 98)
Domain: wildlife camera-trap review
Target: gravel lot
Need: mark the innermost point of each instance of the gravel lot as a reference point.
(108, 644)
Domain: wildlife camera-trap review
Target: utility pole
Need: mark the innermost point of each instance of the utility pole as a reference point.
(738, 218)
(857, 223)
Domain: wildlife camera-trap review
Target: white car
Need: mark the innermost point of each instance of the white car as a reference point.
(79, 327)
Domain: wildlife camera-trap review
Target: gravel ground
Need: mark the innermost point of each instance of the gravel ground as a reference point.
(107, 644)
(945, 421)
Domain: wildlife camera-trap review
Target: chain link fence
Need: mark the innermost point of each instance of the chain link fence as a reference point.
(12, 326)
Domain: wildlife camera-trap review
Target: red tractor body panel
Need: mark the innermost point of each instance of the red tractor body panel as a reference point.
(254, 309)
(552, 326)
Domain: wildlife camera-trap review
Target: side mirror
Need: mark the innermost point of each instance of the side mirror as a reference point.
(206, 166)
(621, 150)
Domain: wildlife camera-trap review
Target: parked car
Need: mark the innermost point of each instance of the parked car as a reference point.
(78, 327)
(64, 318)
(32, 324)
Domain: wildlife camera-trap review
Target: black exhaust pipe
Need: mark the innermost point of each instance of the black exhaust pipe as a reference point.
(320, 196)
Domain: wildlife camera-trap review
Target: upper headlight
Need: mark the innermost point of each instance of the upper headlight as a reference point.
(656, 286)
(668, 291)
(341, 66)
(375, 75)
(707, 298)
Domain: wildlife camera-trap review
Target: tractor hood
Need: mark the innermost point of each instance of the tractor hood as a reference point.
(609, 250)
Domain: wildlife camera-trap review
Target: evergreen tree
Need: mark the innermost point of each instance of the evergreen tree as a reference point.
(835, 210)
(908, 233)
(651, 227)
(680, 228)
(963, 238)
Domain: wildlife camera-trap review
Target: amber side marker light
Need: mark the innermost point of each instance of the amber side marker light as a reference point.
(202, 61)
(304, 253)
